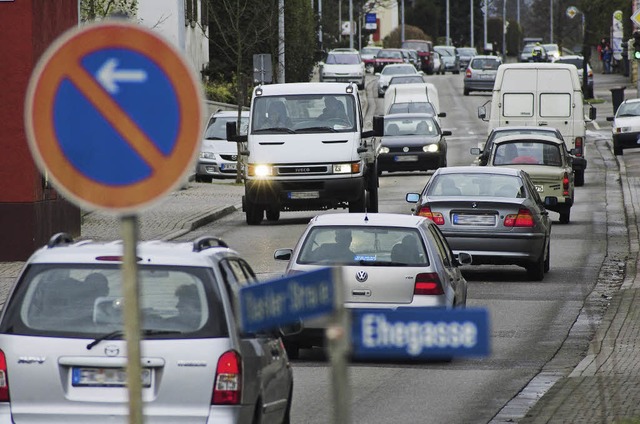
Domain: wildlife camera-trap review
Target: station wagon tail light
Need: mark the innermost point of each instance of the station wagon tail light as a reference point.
(4, 381)
(434, 216)
(427, 284)
(565, 184)
(579, 145)
(467, 73)
(522, 219)
(227, 388)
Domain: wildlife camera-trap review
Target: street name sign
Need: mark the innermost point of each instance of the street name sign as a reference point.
(420, 333)
(113, 116)
(287, 300)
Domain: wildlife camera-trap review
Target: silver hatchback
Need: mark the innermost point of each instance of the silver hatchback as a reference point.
(387, 260)
(63, 353)
(480, 75)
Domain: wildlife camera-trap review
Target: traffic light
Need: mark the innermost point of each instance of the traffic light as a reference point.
(636, 45)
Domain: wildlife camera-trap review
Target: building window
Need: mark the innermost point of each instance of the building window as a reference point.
(190, 12)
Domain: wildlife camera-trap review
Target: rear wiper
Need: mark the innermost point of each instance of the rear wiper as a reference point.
(120, 333)
(277, 129)
(380, 263)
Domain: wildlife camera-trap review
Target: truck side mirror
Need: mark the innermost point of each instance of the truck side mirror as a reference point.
(232, 131)
(482, 113)
(442, 115)
(592, 113)
(610, 118)
(446, 132)
(378, 126)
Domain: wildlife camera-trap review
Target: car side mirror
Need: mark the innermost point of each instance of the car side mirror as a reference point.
(446, 132)
(610, 118)
(550, 201)
(464, 258)
(442, 115)
(283, 254)
(475, 151)
(412, 197)
(482, 113)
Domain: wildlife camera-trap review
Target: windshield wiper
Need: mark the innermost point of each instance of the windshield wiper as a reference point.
(120, 333)
(316, 129)
(276, 129)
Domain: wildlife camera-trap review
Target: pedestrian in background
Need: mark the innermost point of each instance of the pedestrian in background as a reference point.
(601, 46)
(607, 55)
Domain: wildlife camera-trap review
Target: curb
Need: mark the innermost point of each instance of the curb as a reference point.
(201, 221)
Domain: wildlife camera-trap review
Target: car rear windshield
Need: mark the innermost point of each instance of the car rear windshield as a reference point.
(416, 45)
(529, 153)
(476, 185)
(343, 59)
(86, 301)
(374, 246)
(485, 64)
(412, 107)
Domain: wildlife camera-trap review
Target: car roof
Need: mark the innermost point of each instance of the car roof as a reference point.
(364, 219)
(524, 128)
(343, 51)
(486, 56)
(229, 113)
(329, 88)
(155, 252)
(470, 169)
(528, 137)
(631, 100)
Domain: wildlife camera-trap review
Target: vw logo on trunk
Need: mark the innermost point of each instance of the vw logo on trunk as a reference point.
(362, 276)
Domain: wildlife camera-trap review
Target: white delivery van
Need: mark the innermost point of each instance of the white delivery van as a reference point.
(307, 150)
(542, 94)
(412, 97)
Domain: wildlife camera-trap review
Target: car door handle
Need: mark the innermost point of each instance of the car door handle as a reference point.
(543, 123)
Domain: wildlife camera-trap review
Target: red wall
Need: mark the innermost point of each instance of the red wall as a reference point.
(28, 212)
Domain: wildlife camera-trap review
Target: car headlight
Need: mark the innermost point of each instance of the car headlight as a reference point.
(259, 170)
(430, 148)
(384, 149)
(207, 155)
(346, 168)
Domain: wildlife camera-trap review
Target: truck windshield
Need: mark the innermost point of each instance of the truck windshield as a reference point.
(303, 113)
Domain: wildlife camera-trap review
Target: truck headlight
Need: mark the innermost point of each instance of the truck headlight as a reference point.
(259, 170)
(384, 149)
(430, 148)
(207, 155)
(346, 168)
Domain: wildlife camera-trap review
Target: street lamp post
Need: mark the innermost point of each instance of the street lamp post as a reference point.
(472, 42)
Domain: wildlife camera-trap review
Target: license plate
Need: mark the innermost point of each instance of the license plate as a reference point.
(408, 158)
(105, 377)
(485, 76)
(539, 188)
(462, 219)
(304, 195)
(228, 166)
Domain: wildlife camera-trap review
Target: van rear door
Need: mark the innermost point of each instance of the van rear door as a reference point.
(518, 102)
(555, 100)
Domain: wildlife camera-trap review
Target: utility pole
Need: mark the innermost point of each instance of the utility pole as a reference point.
(447, 43)
(551, 21)
(281, 41)
(402, 20)
(504, 31)
(350, 24)
(320, 23)
(472, 42)
(485, 9)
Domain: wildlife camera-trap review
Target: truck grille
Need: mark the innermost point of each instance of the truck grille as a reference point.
(303, 170)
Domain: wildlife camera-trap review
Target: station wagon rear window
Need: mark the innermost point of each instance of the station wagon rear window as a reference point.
(87, 301)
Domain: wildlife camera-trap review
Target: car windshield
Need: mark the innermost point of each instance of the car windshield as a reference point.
(445, 51)
(401, 126)
(342, 59)
(629, 109)
(375, 246)
(575, 62)
(369, 51)
(485, 64)
(416, 45)
(304, 112)
(412, 107)
(389, 54)
(406, 79)
(528, 48)
(476, 185)
(466, 51)
(86, 301)
(528, 153)
(217, 127)
(398, 70)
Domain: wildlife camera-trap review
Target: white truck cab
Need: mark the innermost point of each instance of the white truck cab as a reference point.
(307, 150)
(542, 94)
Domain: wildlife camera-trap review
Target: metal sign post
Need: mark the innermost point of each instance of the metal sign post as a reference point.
(338, 336)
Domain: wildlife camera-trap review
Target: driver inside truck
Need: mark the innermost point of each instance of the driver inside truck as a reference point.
(277, 116)
(333, 109)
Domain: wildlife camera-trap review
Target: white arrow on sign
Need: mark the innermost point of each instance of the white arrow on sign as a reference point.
(109, 76)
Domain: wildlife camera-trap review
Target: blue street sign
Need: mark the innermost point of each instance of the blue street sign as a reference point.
(370, 21)
(113, 115)
(285, 301)
(420, 333)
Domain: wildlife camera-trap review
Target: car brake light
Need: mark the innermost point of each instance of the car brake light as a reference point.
(4, 381)
(522, 219)
(434, 216)
(428, 284)
(467, 73)
(565, 184)
(226, 388)
(578, 144)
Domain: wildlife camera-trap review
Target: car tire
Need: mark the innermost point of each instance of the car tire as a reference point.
(273, 214)
(257, 413)
(372, 187)
(565, 215)
(547, 260)
(456, 72)
(293, 350)
(287, 412)
(361, 86)
(617, 150)
(535, 270)
(466, 92)
(254, 213)
(203, 179)
(578, 178)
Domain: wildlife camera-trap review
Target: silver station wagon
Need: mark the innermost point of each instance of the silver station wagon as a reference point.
(388, 261)
(63, 353)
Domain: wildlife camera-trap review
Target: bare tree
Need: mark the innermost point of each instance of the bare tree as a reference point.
(92, 10)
